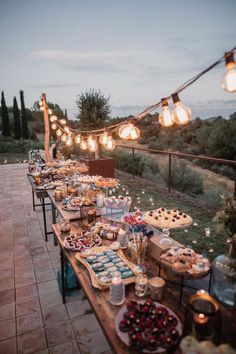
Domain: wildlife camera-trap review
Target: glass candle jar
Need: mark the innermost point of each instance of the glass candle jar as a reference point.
(156, 286)
(117, 289)
(65, 225)
(141, 285)
(58, 195)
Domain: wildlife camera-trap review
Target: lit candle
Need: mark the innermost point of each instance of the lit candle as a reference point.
(200, 318)
(58, 195)
(200, 326)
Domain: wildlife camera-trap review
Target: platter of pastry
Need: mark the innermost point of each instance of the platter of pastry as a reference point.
(118, 202)
(148, 326)
(167, 219)
(103, 182)
(81, 241)
(87, 179)
(75, 203)
(186, 261)
(102, 262)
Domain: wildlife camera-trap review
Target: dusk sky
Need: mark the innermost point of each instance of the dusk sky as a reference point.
(136, 51)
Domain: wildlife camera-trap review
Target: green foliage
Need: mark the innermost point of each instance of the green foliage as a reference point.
(183, 178)
(24, 120)
(93, 109)
(226, 218)
(16, 120)
(6, 129)
(19, 146)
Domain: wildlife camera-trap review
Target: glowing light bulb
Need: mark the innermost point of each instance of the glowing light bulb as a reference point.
(93, 146)
(40, 103)
(129, 131)
(53, 119)
(63, 121)
(69, 141)
(182, 113)
(103, 138)
(50, 111)
(54, 126)
(59, 132)
(41, 108)
(228, 81)
(166, 117)
(78, 139)
(90, 139)
(63, 137)
(67, 129)
(110, 145)
(83, 145)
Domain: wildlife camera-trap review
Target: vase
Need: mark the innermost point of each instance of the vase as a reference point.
(224, 276)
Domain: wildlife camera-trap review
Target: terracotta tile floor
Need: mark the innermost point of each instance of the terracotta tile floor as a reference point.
(32, 316)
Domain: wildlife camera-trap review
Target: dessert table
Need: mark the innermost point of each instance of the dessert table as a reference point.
(99, 300)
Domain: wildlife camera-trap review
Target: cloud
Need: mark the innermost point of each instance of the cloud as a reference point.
(43, 86)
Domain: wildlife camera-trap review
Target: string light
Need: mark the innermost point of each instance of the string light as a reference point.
(166, 117)
(111, 144)
(54, 126)
(228, 81)
(69, 141)
(67, 129)
(59, 132)
(40, 103)
(129, 132)
(104, 138)
(182, 113)
(93, 146)
(53, 119)
(63, 137)
(83, 145)
(78, 139)
(50, 111)
(63, 121)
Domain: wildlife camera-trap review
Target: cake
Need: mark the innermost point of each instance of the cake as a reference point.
(167, 219)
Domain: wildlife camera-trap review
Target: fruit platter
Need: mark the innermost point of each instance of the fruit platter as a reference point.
(148, 326)
(81, 241)
(102, 262)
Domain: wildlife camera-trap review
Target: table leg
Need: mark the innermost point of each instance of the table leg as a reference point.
(33, 200)
(63, 276)
(210, 280)
(181, 289)
(44, 220)
(54, 220)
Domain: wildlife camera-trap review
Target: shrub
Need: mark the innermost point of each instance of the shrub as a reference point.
(183, 178)
(19, 146)
(224, 170)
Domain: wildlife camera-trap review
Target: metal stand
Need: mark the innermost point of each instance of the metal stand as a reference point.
(62, 276)
(46, 233)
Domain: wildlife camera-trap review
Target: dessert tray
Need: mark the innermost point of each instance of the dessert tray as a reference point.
(185, 261)
(119, 202)
(167, 219)
(106, 182)
(81, 241)
(88, 179)
(75, 203)
(148, 326)
(102, 261)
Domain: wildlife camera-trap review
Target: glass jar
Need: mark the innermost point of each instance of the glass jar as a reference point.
(117, 289)
(141, 285)
(224, 276)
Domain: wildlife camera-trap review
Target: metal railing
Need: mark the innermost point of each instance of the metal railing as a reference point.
(182, 155)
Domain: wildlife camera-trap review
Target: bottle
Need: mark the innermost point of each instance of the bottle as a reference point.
(117, 289)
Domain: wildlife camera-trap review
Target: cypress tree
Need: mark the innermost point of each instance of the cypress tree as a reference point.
(6, 129)
(24, 120)
(65, 114)
(16, 117)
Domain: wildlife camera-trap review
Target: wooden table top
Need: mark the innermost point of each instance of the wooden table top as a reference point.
(99, 300)
(70, 215)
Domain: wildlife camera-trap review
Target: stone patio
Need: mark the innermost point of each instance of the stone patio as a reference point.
(32, 316)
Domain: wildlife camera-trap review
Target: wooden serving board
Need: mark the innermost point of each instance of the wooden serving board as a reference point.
(97, 283)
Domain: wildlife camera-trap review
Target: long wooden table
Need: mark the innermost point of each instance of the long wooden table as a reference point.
(99, 300)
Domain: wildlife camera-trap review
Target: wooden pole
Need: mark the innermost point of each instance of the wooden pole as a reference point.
(46, 129)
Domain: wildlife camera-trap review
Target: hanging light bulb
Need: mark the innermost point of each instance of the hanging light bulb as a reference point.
(104, 137)
(54, 126)
(93, 145)
(182, 114)
(41, 108)
(53, 119)
(83, 145)
(63, 137)
(78, 139)
(69, 141)
(228, 81)
(110, 145)
(129, 131)
(166, 117)
(90, 139)
(67, 129)
(59, 132)
(50, 111)
(40, 103)
(63, 121)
